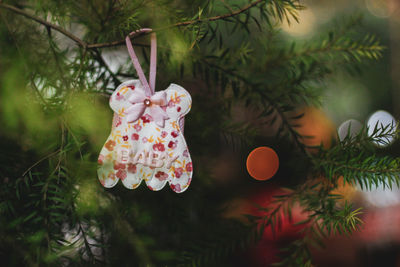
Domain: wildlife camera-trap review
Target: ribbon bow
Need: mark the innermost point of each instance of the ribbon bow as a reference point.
(141, 102)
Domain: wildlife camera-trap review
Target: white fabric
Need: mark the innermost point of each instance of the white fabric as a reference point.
(133, 149)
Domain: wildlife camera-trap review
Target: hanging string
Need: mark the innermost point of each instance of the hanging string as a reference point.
(149, 88)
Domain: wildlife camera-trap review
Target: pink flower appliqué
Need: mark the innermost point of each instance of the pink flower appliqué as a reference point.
(162, 176)
(135, 136)
(119, 166)
(178, 172)
(117, 121)
(185, 153)
(121, 174)
(144, 139)
(131, 168)
(147, 118)
(137, 127)
(176, 187)
(172, 144)
(174, 134)
(159, 147)
(119, 97)
(164, 134)
(100, 159)
(189, 167)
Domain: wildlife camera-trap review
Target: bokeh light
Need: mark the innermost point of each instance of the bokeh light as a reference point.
(382, 197)
(306, 26)
(349, 128)
(384, 122)
(378, 8)
(262, 163)
(347, 98)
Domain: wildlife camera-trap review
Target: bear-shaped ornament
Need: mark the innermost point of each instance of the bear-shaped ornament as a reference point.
(146, 140)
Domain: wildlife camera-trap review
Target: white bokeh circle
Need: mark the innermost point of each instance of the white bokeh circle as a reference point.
(350, 127)
(382, 119)
(381, 197)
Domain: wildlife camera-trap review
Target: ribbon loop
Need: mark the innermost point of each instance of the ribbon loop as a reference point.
(147, 99)
(150, 88)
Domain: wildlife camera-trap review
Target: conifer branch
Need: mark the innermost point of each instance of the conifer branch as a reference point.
(185, 23)
(355, 161)
(269, 104)
(182, 24)
(82, 43)
(45, 23)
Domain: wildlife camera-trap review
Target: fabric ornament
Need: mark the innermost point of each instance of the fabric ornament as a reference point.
(146, 140)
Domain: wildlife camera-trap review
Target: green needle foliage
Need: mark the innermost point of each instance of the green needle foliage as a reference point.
(356, 161)
(55, 80)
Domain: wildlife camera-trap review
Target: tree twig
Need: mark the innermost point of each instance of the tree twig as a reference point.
(181, 24)
(82, 43)
(281, 113)
(43, 22)
(103, 63)
(37, 162)
(235, 13)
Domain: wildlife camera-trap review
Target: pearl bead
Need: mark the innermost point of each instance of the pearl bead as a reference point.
(147, 102)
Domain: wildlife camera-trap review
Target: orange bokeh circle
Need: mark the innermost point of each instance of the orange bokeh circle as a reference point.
(262, 163)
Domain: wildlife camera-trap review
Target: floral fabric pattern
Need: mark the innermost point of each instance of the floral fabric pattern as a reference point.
(143, 139)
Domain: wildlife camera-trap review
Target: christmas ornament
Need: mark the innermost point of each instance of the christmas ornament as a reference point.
(146, 140)
(349, 128)
(262, 163)
(382, 120)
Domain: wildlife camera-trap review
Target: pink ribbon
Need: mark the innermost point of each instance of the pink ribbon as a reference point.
(146, 98)
(140, 102)
(149, 88)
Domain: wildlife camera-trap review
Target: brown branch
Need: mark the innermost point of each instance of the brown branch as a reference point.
(237, 12)
(180, 24)
(37, 162)
(46, 23)
(82, 43)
